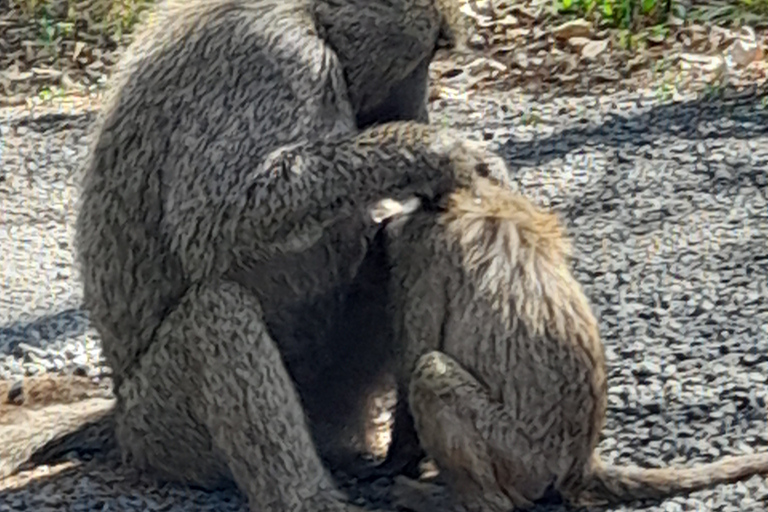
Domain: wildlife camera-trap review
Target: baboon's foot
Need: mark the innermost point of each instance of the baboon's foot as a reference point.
(400, 464)
(211, 402)
(359, 467)
(405, 454)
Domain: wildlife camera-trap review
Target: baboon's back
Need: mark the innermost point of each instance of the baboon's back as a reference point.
(205, 93)
(480, 280)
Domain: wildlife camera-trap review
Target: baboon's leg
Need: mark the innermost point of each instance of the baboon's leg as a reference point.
(212, 398)
(484, 454)
(405, 452)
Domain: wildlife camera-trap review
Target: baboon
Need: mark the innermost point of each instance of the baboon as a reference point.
(503, 358)
(208, 90)
(221, 223)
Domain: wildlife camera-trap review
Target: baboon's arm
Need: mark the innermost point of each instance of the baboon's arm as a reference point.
(286, 201)
(480, 447)
(302, 187)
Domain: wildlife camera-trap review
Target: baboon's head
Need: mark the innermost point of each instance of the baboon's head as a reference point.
(385, 48)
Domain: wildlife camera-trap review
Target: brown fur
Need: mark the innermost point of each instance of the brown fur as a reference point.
(507, 371)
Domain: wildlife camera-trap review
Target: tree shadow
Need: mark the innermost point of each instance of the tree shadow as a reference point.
(623, 137)
(736, 115)
(108, 485)
(42, 331)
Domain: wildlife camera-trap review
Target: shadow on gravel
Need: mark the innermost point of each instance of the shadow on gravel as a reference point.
(736, 115)
(48, 121)
(732, 114)
(42, 330)
(108, 486)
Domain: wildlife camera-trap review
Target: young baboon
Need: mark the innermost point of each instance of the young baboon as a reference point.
(506, 367)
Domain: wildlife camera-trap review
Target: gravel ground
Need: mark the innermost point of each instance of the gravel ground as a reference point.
(667, 204)
(41, 326)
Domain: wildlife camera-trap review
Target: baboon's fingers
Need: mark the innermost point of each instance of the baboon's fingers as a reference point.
(389, 208)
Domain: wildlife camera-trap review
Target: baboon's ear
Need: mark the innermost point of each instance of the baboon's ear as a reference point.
(389, 208)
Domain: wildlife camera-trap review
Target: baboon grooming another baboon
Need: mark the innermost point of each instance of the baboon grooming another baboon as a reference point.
(506, 367)
(222, 220)
(207, 91)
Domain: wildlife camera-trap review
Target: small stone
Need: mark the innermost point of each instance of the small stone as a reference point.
(16, 393)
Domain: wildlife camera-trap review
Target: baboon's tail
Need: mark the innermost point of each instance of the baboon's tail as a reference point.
(46, 435)
(616, 484)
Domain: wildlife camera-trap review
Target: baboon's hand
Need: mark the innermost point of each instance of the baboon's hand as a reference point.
(389, 208)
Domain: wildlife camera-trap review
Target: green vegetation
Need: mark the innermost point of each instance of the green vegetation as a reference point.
(64, 46)
(617, 13)
(640, 14)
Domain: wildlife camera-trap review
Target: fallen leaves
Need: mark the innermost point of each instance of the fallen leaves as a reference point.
(574, 28)
(593, 49)
(535, 49)
(745, 49)
(522, 43)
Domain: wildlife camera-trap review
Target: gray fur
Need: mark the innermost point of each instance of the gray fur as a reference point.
(221, 228)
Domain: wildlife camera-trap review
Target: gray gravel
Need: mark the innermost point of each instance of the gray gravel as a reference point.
(41, 325)
(667, 204)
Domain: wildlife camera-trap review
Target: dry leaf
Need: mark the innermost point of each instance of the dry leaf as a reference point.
(78, 48)
(574, 28)
(744, 49)
(508, 21)
(578, 42)
(593, 49)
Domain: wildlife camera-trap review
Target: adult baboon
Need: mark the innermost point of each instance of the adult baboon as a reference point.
(207, 91)
(505, 363)
(222, 220)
